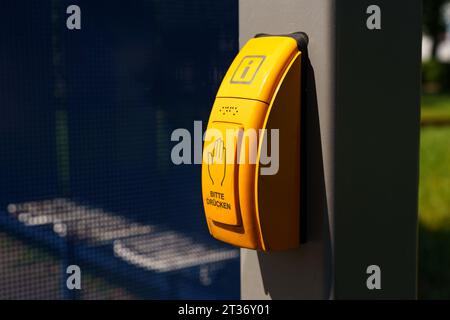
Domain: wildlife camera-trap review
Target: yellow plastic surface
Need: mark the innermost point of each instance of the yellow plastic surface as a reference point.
(222, 196)
(256, 71)
(229, 180)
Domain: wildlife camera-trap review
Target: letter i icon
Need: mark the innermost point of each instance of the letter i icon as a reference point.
(244, 73)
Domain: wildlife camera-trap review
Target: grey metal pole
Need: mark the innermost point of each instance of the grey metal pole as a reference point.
(362, 135)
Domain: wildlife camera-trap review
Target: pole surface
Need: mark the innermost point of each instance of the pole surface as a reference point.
(361, 121)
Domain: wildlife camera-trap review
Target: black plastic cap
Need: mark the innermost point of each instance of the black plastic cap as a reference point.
(301, 38)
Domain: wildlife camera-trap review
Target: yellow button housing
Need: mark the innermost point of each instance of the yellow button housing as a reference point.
(261, 90)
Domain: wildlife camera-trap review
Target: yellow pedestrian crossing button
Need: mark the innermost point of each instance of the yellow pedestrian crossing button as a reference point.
(260, 92)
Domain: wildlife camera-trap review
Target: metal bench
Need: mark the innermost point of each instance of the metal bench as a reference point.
(150, 248)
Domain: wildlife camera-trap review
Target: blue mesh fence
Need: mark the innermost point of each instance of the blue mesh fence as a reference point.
(85, 171)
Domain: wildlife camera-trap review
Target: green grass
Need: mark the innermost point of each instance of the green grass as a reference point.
(434, 195)
(434, 201)
(435, 107)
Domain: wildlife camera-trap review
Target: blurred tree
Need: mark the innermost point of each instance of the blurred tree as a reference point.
(433, 21)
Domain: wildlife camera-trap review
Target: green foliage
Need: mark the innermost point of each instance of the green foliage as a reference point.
(432, 17)
(434, 195)
(433, 21)
(435, 107)
(434, 213)
(433, 71)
